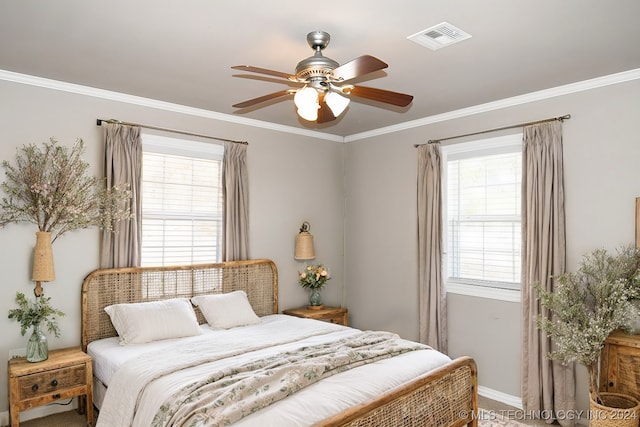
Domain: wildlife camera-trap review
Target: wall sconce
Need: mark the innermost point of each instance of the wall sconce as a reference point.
(42, 262)
(304, 244)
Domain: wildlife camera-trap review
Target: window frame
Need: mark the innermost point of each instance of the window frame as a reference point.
(488, 146)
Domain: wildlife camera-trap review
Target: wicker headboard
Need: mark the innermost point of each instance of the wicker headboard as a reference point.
(258, 278)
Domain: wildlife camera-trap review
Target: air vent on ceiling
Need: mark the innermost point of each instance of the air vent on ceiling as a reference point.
(438, 36)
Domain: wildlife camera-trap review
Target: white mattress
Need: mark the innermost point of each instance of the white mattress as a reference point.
(108, 355)
(310, 405)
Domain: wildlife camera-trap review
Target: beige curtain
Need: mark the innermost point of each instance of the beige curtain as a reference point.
(546, 385)
(431, 293)
(123, 164)
(235, 183)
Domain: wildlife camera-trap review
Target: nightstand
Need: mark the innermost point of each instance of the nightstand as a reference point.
(66, 373)
(328, 314)
(620, 365)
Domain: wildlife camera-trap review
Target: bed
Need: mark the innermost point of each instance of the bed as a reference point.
(403, 385)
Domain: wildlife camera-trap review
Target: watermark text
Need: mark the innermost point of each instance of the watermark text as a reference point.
(547, 415)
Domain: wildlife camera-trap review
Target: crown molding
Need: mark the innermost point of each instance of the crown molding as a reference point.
(580, 86)
(154, 103)
(589, 84)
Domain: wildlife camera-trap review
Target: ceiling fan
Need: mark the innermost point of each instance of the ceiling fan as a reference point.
(325, 89)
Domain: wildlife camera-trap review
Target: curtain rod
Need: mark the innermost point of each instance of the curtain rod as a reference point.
(112, 121)
(553, 119)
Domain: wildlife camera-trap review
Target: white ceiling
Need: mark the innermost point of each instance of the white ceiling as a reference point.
(181, 51)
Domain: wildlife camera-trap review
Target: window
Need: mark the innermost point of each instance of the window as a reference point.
(482, 213)
(181, 201)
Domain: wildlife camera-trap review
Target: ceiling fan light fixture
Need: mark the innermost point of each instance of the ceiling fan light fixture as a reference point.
(309, 114)
(306, 99)
(323, 85)
(336, 102)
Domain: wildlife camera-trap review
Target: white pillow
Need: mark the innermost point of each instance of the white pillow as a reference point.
(224, 311)
(151, 321)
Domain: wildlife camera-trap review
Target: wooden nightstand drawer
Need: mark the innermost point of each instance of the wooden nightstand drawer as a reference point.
(47, 382)
(339, 320)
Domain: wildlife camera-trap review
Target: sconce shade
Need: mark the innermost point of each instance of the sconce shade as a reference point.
(43, 259)
(304, 244)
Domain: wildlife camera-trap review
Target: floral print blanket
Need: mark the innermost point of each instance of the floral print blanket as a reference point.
(226, 395)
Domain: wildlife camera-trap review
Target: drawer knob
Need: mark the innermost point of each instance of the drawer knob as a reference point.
(611, 384)
(34, 387)
(54, 383)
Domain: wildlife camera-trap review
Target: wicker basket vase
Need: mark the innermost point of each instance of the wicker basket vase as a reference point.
(619, 410)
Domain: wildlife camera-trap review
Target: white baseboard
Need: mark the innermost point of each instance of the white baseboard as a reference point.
(510, 400)
(39, 412)
(499, 396)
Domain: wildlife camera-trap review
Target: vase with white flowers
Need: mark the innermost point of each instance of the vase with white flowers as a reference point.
(49, 185)
(314, 277)
(585, 307)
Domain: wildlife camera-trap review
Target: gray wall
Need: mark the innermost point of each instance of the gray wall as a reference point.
(602, 179)
(364, 225)
(292, 178)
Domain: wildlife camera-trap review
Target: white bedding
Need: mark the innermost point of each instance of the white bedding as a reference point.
(310, 405)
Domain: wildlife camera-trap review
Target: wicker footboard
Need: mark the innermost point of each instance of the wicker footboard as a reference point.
(445, 397)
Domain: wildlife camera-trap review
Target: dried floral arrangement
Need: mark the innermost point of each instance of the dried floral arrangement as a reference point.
(49, 186)
(588, 305)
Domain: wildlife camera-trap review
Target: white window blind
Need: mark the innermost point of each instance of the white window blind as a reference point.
(181, 201)
(483, 220)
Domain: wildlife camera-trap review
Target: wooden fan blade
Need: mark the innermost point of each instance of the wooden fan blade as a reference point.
(260, 99)
(358, 67)
(324, 113)
(386, 96)
(252, 69)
